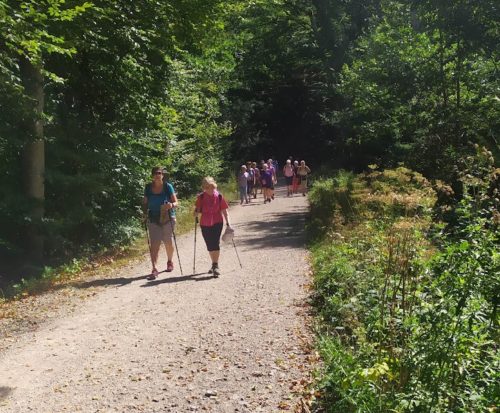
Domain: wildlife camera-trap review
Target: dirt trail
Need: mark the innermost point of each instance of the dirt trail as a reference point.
(180, 343)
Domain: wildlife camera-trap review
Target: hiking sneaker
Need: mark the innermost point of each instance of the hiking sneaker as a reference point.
(215, 271)
(170, 266)
(153, 275)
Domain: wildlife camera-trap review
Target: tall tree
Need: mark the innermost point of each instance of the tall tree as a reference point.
(30, 34)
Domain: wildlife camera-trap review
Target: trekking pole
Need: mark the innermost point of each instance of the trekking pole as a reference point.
(194, 255)
(175, 242)
(149, 241)
(237, 255)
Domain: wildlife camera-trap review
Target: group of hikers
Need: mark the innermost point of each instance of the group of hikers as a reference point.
(251, 178)
(211, 208)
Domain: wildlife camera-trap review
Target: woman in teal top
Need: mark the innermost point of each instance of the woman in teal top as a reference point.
(156, 194)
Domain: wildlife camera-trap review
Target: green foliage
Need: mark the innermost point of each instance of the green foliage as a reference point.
(419, 86)
(196, 141)
(327, 196)
(127, 86)
(360, 82)
(48, 278)
(406, 328)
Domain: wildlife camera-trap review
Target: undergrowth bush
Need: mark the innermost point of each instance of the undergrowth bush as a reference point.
(326, 197)
(406, 325)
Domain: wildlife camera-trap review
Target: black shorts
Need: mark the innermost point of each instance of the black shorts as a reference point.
(266, 184)
(211, 235)
(289, 180)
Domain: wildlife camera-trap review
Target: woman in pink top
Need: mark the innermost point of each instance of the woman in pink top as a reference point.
(213, 209)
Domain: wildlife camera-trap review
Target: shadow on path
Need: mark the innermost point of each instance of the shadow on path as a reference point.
(275, 230)
(193, 277)
(119, 282)
(4, 392)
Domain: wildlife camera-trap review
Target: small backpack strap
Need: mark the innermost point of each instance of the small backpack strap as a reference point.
(167, 190)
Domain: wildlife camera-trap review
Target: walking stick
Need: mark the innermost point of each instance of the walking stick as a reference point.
(237, 255)
(149, 242)
(194, 255)
(175, 242)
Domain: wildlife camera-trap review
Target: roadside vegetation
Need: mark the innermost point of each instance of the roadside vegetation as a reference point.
(406, 290)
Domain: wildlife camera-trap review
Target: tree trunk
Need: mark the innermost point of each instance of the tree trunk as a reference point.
(444, 87)
(33, 158)
(458, 70)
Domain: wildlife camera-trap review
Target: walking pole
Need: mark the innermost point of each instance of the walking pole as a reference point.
(237, 255)
(194, 255)
(149, 241)
(175, 242)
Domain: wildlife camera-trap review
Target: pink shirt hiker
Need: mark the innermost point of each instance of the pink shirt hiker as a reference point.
(211, 208)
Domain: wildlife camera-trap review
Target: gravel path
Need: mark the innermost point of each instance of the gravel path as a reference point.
(188, 343)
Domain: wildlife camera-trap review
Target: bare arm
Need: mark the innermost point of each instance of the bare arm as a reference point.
(226, 216)
(174, 202)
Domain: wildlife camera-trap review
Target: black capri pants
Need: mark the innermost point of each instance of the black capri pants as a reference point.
(211, 235)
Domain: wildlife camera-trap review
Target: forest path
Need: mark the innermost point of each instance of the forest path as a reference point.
(180, 343)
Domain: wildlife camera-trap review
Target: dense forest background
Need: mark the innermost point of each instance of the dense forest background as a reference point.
(92, 94)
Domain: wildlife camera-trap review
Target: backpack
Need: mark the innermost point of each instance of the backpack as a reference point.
(201, 201)
(251, 175)
(289, 169)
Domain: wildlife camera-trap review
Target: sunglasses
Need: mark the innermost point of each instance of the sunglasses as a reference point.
(158, 173)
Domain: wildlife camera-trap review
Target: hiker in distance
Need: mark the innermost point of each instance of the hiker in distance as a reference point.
(243, 184)
(302, 172)
(295, 182)
(159, 205)
(272, 169)
(251, 180)
(257, 183)
(266, 178)
(289, 173)
(214, 211)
